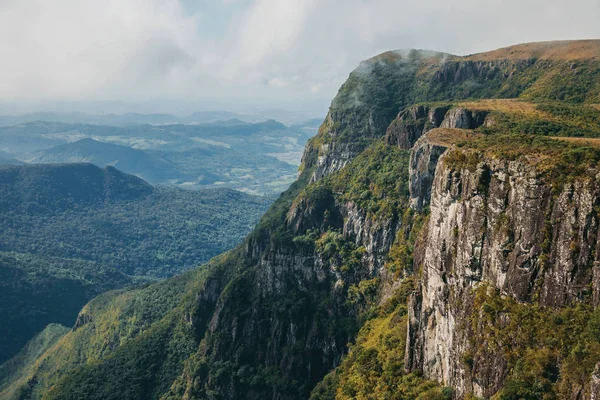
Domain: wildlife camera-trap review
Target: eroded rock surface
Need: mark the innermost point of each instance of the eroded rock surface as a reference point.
(502, 224)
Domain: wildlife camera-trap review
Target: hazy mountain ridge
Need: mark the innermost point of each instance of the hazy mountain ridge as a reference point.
(76, 210)
(126, 159)
(6, 158)
(258, 157)
(60, 187)
(199, 117)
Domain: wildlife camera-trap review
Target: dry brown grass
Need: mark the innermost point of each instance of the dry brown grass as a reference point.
(571, 50)
(509, 106)
(568, 50)
(448, 137)
(388, 56)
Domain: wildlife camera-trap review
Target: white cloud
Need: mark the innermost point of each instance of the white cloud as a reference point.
(73, 48)
(268, 49)
(277, 82)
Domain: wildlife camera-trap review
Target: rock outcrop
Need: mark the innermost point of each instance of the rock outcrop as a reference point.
(423, 162)
(333, 156)
(412, 123)
(461, 118)
(415, 121)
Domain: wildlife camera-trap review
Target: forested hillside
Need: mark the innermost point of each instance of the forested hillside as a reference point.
(38, 290)
(70, 232)
(103, 215)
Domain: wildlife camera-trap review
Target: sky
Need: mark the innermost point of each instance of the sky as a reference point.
(185, 55)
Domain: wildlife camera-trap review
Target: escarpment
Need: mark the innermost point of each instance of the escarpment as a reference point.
(424, 157)
(411, 124)
(503, 225)
(380, 87)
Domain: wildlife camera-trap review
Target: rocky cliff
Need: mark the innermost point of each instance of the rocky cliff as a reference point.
(380, 87)
(506, 224)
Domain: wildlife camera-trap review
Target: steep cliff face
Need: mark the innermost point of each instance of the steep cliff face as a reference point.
(415, 121)
(287, 319)
(505, 224)
(424, 157)
(412, 123)
(423, 162)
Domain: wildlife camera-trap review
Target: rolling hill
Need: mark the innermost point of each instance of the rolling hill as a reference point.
(126, 159)
(259, 158)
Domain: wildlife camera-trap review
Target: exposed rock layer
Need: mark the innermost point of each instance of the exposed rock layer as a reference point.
(502, 224)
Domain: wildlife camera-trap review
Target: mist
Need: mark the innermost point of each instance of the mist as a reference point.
(179, 56)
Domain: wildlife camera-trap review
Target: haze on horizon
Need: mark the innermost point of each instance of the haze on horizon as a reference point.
(181, 56)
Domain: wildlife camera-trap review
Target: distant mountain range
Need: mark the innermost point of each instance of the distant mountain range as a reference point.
(259, 158)
(59, 187)
(200, 117)
(127, 159)
(6, 158)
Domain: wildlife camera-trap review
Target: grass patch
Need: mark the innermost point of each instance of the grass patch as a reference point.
(558, 161)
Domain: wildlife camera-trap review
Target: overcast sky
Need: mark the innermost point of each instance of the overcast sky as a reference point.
(244, 53)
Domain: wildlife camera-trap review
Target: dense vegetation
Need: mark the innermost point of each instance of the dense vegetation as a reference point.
(153, 336)
(549, 119)
(374, 366)
(559, 161)
(36, 291)
(244, 366)
(550, 353)
(71, 232)
(21, 365)
(132, 343)
(83, 212)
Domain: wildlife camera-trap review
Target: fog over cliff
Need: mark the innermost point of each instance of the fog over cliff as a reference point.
(169, 55)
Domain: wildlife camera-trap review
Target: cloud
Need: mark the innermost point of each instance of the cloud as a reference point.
(73, 48)
(296, 50)
(277, 82)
